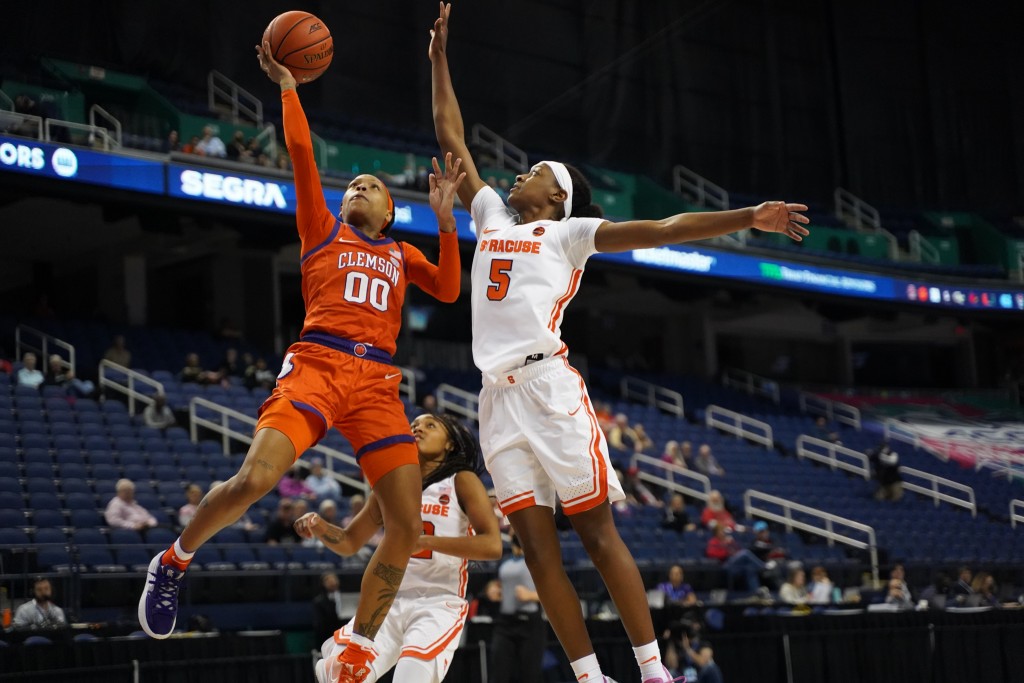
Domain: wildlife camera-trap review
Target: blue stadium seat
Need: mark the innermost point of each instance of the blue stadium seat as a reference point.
(14, 537)
(88, 536)
(38, 470)
(12, 518)
(97, 443)
(43, 502)
(137, 473)
(11, 501)
(160, 537)
(99, 559)
(49, 534)
(53, 558)
(167, 473)
(69, 485)
(125, 536)
(40, 485)
(85, 518)
(47, 517)
(130, 458)
(36, 441)
(106, 472)
(36, 454)
(134, 558)
(11, 485)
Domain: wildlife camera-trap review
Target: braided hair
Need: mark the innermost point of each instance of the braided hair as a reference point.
(464, 455)
(582, 196)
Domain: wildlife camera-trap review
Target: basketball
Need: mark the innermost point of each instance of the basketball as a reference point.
(301, 43)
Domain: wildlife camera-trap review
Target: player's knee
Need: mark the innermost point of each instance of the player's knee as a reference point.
(406, 530)
(250, 484)
(598, 541)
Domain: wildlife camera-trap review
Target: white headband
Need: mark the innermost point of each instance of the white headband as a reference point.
(564, 182)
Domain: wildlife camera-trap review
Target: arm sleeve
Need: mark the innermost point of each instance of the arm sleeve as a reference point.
(577, 239)
(313, 218)
(443, 280)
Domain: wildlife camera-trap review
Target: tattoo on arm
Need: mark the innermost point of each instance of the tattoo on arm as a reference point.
(264, 464)
(392, 578)
(331, 537)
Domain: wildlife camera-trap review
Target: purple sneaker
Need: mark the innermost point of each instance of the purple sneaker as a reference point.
(158, 606)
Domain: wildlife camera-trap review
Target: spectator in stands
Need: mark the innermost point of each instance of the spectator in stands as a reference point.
(328, 511)
(237, 150)
(193, 372)
(328, 615)
(794, 591)
(676, 517)
(231, 366)
(227, 330)
(190, 146)
(715, 511)
(259, 375)
(118, 352)
(703, 658)
(321, 483)
(292, 485)
(487, 603)
(429, 403)
(621, 436)
(605, 419)
(984, 586)
(706, 463)
(5, 363)
(193, 494)
(637, 491)
(124, 512)
(898, 573)
(963, 588)
(29, 375)
(158, 414)
(674, 455)
(737, 561)
(281, 529)
(686, 451)
(40, 612)
(821, 590)
(644, 443)
(675, 590)
(825, 431)
(764, 545)
(210, 145)
(255, 148)
(171, 144)
(60, 374)
(897, 597)
(887, 473)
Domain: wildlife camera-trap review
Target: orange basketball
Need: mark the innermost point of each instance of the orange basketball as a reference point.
(301, 43)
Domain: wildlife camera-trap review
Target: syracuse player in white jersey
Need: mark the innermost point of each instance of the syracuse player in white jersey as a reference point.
(538, 430)
(423, 628)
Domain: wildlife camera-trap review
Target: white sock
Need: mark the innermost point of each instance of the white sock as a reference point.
(649, 658)
(180, 553)
(362, 642)
(587, 669)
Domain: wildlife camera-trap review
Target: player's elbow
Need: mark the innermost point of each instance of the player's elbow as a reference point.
(492, 549)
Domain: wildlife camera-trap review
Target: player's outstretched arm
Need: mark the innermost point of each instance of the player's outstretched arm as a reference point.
(448, 125)
(444, 280)
(485, 543)
(344, 541)
(778, 217)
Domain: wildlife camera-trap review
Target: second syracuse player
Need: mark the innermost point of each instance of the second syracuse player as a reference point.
(339, 373)
(424, 626)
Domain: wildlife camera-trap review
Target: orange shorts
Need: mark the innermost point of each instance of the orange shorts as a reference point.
(321, 387)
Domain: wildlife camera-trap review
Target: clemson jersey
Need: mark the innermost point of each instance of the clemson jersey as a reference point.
(523, 278)
(353, 286)
(442, 516)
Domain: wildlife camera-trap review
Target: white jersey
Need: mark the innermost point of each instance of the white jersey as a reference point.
(442, 516)
(523, 278)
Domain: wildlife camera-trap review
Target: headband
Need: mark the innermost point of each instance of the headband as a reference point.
(564, 181)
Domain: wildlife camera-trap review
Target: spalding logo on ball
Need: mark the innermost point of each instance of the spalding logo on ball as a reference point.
(301, 43)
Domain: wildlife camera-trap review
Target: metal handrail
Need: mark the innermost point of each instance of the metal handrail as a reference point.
(717, 416)
(672, 470)
(43, 350)
(804, 449)
(935, 494)
(833, 410)
(703, 191)
(95, 132)
(1014, 516)
(632, 388)
(16, 117)
(321, 145)
(829, 519)
(6, 101)
(755, 385)
(459, 401)
(506, 154)
(104, 114)
(921, 250)
(269, 134)
(219, 85)
(134, 378)
(228, 434)
(854, 211)
(407, 385)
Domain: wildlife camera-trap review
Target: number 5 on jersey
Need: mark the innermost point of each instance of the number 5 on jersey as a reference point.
(500, 279)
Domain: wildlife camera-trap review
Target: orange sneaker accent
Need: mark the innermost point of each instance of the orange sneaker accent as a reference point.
(170, 557)
(350, 673)
(649, 660)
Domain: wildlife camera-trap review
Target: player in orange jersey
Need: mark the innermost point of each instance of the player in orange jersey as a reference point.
(339, 373)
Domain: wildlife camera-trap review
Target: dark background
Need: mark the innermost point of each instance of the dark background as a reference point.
(912, 103)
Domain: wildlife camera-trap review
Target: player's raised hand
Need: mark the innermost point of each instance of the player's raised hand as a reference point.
(308, 525)
(270, 66)
(782, 218)
(439, 34)
(443, 188)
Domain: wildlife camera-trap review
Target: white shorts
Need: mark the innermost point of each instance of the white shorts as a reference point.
(427, 628)
(540, 438)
